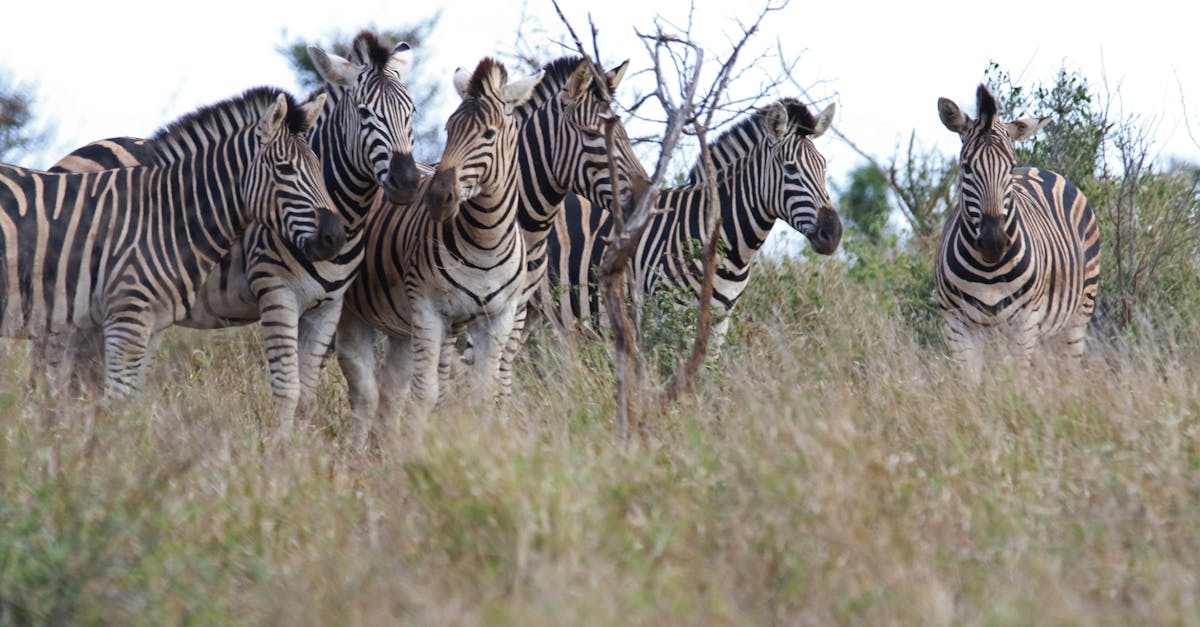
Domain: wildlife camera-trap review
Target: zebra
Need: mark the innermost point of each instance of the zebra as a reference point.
(364, 140)
(767, 168)
(1020, 252)
(126, 250)
(454, 259)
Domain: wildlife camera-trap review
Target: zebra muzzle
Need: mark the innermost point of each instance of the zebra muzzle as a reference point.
(442, 195)
(402, 179)
(329, 239)
(827, 233)
(993, 238)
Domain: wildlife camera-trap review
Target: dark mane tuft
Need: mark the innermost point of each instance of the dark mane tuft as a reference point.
(986, 104)
(377, 54)
(483, 71)
(739, 138)
(250, 105)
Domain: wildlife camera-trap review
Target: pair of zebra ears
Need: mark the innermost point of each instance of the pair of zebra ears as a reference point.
(959, 122)
(277, 115)
(344, 72)
(583, 75)
(513, 94)
(781, 124)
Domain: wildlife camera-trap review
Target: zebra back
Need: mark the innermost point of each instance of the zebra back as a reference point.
(79, 249)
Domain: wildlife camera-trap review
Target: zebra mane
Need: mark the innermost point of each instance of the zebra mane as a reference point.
(558, 72)
(377, 54)
(739, 139)
(248, 107)
(475, 88)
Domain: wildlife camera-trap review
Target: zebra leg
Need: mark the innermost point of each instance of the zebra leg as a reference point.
(127, 343)
(356, 358)
(317, 327)
(280, 332)
(429, 333)
(964, 349)
(512, 346)
(489, 337)
(395, 383)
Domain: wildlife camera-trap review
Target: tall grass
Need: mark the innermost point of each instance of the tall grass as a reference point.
(830, 468)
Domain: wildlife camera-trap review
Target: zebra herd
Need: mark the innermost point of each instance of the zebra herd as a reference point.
(314, 218)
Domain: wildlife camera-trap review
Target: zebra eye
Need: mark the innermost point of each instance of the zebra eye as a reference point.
(285, 169)
(966, 168)
(364, 112)
(489, 134)
(791, 168)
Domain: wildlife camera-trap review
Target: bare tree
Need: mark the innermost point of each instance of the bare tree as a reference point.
(693, 106)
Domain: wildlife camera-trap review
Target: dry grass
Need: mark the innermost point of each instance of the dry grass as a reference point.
(829, 470)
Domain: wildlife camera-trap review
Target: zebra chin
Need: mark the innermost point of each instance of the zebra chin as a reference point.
(328, 241)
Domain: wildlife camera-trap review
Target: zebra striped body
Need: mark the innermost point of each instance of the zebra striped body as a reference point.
(363, 138)
(126, 250)
(767, 168)
(1020, 254)
(453, 260)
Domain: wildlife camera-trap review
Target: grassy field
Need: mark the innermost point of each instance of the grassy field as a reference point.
(828, 469)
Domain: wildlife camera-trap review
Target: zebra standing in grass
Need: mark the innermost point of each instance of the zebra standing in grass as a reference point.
(126, 250)
(454, 259)
(364, 139)
(767, 168)
(1020, 253)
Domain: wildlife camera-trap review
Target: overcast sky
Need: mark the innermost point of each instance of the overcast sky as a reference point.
(125, 67)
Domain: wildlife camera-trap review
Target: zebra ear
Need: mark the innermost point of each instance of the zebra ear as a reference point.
(334, 69)
(824, 120)
(517, 92)
(1025, 127)
(613, 77)
(581, 79)
(953, 117)
(462, 79)
(312, 110)
(777, 120)
(401, 60)
(270, 123)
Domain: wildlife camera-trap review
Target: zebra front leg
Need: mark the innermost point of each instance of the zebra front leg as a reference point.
(280, 333)
(395, 384)
(356, 358)
(963, 346)
(489, 337)
(428, 336)
(512, 346)
(317, 327)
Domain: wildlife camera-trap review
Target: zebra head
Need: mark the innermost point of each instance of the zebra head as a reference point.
(373, 108)
(986, 171)
(806, 204)
(481, 137)
(285, 189)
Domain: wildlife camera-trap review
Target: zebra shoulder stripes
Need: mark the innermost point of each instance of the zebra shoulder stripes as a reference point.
(767, 169)
(1020, 253)
(455, 259)
(364, 139)
(125, 250)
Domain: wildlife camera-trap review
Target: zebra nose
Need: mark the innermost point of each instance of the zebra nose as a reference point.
(442, 195)
(329, 239)
(403, 178)
(828, 232)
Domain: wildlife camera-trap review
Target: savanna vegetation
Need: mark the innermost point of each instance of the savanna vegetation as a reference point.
(827, 468)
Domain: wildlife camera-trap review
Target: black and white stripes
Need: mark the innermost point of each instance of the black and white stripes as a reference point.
(126, 250)
(1020, 255)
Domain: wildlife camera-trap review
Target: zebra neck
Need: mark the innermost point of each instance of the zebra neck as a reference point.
(488, 219)
(351, 185)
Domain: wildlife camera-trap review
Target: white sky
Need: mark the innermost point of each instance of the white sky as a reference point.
(126, 67)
